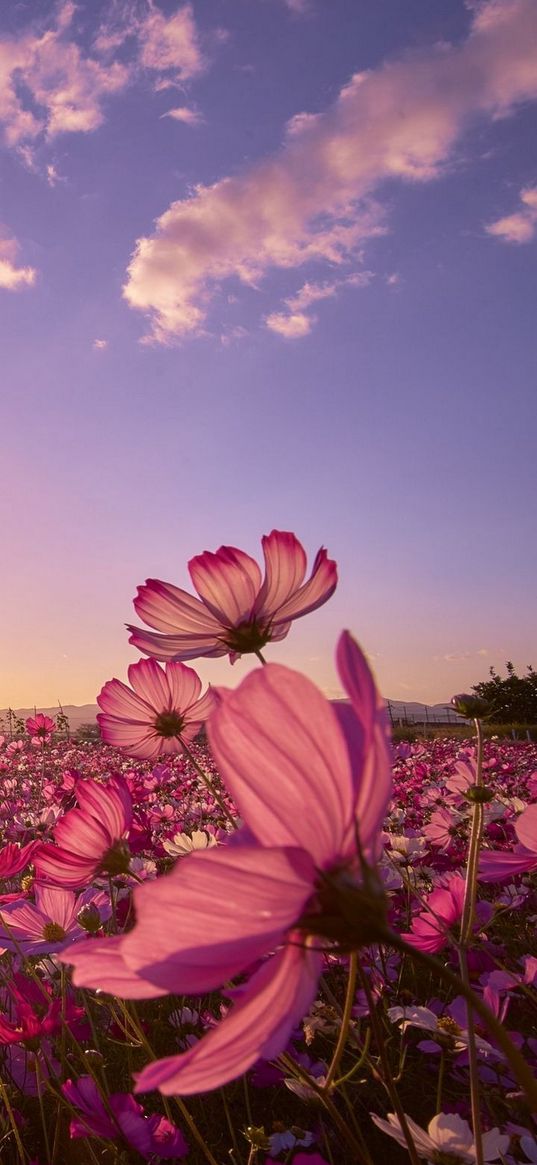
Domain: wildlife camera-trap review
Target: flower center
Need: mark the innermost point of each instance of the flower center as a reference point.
(116, 860)
(448, 1025)
(53, 932)
(169, 724)
(248, 636)
(347, 911)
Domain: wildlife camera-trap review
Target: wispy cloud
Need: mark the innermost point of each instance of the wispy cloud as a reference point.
(312, 199)
(520, 227)
(186, 115)
(291, 325)
(100, 345)
(50, 84)
(13, 278)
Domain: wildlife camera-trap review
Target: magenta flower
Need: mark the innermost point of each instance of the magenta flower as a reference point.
(91, 840)
(41, 727)
(430, 930)
(13, 858)
(50, 923)
(122, 1118)
(296, 873)
(496, 865)
(158, 713)
(237, 610)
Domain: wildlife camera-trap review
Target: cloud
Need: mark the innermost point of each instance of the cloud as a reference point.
(51, 85)
(292, 326)
(100, 345)
(312, 199)
(167, 45)
(13, 278)
(186, 115)
(521, 226)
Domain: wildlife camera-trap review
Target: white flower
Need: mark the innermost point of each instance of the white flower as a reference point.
(447, 1134)
(422, 1017)
(184, 843)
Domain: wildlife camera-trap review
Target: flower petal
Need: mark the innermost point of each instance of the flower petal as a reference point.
(278, 747)
(285, 567)
(167, 608)
(258, 1026)
(313, 593)
(216, 912)
(228, 582)
(99, 963)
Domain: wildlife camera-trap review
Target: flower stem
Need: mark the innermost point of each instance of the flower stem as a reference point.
(209, 784)
(345, 1021)
(515, 1059)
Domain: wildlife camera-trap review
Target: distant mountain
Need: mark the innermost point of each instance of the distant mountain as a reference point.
(85, 714)
(400, 710)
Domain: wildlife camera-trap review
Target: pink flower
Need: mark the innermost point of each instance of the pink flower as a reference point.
(91, 839)
(295, 872)
(163, 711)
(495, 865)
(13, 859)
(50, 923)
(237, 611)
(430, 930)
(149, 1135)
(41, 727)
(448, 1138)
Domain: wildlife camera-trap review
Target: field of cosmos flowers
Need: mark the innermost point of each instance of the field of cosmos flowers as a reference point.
(247, 928)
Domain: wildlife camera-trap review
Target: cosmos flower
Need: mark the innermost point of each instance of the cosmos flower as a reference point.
(50, 923)
(496, 865)
(40, 727)
(237, 611)
(159, 713)
(152, 1136)
(295, 872)
(91, 840)
(448, 1138)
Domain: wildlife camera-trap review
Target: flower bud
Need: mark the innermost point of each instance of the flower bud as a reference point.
(470, 706)
(89, 918)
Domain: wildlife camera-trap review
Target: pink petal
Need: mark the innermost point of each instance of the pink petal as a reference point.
(116, 699)
(279, 749)
(367, 733)
(99, 964)
(177, 647)
(526, 828)
(150, 683)
(494, 866)
(184, 686)
(215, 913)
(53, 864)
(110, 803)
(285, 567)
(83, 835)
(56, 903)
(167, 608)
(258, 1026)
(135, 738)
(228, 582)
(313, 593)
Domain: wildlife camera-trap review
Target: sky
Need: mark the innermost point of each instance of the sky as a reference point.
(269, 264)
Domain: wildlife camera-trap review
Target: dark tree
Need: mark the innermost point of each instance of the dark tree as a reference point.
(512, 700)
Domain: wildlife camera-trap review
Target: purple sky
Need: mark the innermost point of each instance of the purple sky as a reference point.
(269, 263)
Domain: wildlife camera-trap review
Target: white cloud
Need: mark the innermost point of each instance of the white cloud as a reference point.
(394, 279)
(312, 199)
(100, 345)
(13, 278)
(49, 86)
(292, 326)
(520, 227)
(184, 114)
(291, 323)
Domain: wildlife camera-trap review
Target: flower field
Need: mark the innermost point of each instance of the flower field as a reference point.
(294, 942)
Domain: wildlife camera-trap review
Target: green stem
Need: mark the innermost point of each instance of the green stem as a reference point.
(209, 784)
(514, 1058)
(345, 1022)
(260, 657)
(387, 1078)
(343, 1128)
